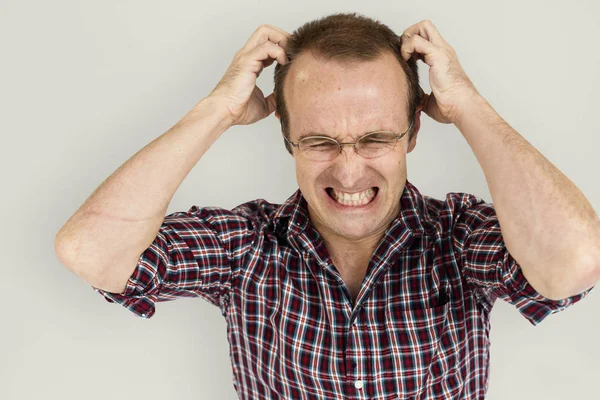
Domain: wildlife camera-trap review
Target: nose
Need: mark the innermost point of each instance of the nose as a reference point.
(347, 168)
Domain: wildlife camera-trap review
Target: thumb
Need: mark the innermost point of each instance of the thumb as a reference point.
(271, 103)
(432, 109)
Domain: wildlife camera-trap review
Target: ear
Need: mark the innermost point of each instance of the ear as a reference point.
(416, 127)
(277, 115)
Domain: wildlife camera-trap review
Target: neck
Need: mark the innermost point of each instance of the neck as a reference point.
(348, 251)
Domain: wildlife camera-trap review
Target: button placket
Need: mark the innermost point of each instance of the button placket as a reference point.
(357, 383)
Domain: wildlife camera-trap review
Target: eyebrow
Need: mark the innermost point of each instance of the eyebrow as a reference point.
(313, 134)
(327, 136)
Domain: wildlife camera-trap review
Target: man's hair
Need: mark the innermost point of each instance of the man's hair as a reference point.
(346, 38)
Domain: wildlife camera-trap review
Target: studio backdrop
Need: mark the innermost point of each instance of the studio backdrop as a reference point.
(87, 84)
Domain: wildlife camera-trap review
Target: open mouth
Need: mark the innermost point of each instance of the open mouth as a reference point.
(353, 199)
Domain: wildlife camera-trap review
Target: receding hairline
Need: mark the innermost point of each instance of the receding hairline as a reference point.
(349, 63)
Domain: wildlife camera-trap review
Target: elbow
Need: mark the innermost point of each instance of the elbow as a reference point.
(64, 251)
(572, 281)
(574, 274)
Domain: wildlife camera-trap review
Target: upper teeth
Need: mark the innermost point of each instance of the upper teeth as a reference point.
(343, 196)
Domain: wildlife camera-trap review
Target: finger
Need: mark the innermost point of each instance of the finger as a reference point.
(267, 52)
(266, 33)
(286, 35)
(416, 46)
(268, 62)
(426, 30)
(431, 109)
(425, 99)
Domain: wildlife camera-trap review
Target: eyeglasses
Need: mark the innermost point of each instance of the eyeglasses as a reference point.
(371, 145)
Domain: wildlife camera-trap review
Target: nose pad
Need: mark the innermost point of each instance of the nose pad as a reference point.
(353, 149)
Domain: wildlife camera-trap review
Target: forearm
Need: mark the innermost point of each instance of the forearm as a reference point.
(123, 215)
(547, 224)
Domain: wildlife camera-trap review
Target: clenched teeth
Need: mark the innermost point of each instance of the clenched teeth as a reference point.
(354, 199)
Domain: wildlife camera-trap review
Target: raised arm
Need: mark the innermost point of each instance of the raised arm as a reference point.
(101, 242)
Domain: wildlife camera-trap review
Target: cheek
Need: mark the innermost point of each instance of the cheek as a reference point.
(307, 174)
(393, 175)
(304, 173)
(392, 168)
(301, 171)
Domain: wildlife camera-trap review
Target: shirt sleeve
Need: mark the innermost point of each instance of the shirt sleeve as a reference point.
(195, 254)
(491, 270)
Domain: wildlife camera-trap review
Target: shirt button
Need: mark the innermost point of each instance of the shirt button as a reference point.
(358, 384)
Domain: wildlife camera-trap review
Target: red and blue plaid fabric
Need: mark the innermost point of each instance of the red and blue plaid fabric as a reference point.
(419, 329)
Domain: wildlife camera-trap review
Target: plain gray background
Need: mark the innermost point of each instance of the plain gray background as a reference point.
(86, 84)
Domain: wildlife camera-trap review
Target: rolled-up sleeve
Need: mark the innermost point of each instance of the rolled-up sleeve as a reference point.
(195, 254)
(491, 270)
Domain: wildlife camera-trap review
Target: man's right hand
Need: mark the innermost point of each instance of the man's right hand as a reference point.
(237, 90)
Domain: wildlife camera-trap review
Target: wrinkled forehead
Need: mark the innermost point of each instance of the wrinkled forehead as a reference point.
(344, 100)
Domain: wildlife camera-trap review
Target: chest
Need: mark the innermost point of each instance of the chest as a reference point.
(290, 325)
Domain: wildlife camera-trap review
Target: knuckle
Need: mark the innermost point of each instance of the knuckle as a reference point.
(268, 45)
(283, 55)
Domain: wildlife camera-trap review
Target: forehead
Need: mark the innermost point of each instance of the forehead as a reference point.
(344, 100)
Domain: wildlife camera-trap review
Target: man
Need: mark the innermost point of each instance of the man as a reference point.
(357, 286)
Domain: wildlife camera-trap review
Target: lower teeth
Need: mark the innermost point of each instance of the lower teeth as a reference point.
(362, 201)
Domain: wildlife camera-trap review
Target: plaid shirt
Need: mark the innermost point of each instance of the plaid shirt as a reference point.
(420, 327)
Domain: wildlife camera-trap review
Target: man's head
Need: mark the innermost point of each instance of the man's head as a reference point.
(347, 78)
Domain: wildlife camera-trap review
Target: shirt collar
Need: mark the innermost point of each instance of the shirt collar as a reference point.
(292, 216)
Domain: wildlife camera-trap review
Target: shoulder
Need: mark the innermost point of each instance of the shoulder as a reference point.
(259, 211)
(251, 214)
(457, 208)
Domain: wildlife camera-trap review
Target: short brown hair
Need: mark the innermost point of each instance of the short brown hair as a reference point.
(346, 37)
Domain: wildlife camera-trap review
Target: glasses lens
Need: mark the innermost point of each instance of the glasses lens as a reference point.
(376, 144)
(319, 148)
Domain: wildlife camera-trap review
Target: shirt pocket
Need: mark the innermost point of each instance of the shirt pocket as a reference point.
(414, 332)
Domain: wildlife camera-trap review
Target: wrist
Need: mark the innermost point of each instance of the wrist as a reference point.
(471, 104)
(212, 109)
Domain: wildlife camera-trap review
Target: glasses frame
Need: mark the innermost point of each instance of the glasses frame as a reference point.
(341, 144)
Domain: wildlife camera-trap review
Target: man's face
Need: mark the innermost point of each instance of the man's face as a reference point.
(345, 102)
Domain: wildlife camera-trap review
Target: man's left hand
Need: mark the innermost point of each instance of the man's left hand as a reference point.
(451, 88)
